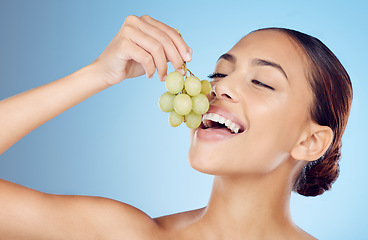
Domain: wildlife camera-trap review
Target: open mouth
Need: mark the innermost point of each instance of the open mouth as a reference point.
(214, 121)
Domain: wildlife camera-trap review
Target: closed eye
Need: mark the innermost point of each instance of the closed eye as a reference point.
(256, 82)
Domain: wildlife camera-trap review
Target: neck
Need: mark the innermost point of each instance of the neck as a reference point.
(252, 206)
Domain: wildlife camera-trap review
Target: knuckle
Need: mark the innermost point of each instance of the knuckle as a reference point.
(123, 43)
(127, 29)
(145, 17)
(131, 19)
(172, 30)
(164, 39)
(157, 48)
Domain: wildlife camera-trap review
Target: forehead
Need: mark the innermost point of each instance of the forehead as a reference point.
(275, 46)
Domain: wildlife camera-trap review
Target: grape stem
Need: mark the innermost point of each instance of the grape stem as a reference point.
(186, 70)
(190, 72)
(185, 63)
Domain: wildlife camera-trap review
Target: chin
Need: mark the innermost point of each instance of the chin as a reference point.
(201, 159)
(210, 157)
(199, 162)
(213, 158)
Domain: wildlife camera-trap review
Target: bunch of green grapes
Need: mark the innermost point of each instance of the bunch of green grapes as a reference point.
(185, 99)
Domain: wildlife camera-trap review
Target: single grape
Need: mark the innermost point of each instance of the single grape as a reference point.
(193, 86)
(206, 87)
(175, 119)
(193, 120)
(166, 102)
(174, 82)
(200, 104)
(182, 104)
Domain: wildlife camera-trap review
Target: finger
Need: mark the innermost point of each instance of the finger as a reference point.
(154, 48)
(141, 56)
(184, 50)
(181, 71)
(171, 52)
(170, 49)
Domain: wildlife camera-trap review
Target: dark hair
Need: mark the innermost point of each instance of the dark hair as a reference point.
(333, 93)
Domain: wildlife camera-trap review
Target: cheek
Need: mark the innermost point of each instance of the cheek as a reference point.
(281, 126)
(274, 128)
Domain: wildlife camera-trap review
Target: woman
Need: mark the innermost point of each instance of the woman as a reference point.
(286, 91)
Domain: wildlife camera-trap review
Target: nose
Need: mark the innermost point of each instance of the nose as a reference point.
(224, 90)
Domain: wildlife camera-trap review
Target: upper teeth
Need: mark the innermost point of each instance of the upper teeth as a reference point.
(220, 119)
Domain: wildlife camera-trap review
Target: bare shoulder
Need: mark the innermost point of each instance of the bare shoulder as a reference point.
(111, 219)
(29, 214)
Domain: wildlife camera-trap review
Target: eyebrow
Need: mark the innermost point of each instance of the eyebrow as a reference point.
(262, 62)
(227, 57)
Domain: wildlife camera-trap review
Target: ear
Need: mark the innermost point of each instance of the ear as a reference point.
(313, 144)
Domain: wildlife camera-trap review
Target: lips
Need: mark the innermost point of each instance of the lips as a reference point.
(219, 124)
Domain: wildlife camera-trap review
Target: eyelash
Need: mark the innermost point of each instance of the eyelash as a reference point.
(216, 75)
(262, 84)
(220, 75)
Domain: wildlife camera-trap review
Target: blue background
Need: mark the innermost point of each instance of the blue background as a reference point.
(118, 144)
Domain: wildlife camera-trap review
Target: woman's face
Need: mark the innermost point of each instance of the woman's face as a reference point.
(261, 87)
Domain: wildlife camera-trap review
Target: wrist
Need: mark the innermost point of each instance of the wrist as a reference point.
(105, 73)
(98, 75)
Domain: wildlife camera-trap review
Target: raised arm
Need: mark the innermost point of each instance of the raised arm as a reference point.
(141, 46)
(22, 113)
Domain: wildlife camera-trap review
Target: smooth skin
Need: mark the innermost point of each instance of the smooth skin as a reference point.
(251, 191)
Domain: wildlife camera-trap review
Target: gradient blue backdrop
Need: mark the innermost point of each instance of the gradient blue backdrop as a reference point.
(118, 144)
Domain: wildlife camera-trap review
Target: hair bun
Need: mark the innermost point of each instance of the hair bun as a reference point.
(318, 176)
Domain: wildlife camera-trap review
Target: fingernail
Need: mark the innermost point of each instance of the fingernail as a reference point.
(190, 51)
(188, 57)
(163, 79)
(181, 71)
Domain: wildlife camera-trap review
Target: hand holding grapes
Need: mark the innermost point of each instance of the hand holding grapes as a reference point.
(141, 46)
